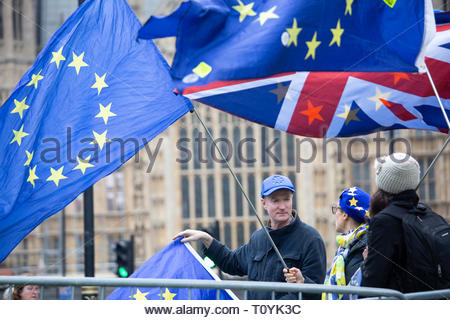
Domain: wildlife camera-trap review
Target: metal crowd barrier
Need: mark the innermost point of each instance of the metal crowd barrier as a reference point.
(246, 286)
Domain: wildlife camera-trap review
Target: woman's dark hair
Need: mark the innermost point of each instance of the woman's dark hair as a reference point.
(379, 200)
(17, 292)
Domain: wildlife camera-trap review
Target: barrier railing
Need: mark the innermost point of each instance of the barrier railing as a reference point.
(273, 287)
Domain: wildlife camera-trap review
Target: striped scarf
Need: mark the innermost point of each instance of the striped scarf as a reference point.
(336, 274)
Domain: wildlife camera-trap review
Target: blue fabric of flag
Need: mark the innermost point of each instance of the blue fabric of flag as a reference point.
(442, 17)
(433, 116)
(253, 110)
(364, 124)
(175, 261)
(244, 39)
(92, 99)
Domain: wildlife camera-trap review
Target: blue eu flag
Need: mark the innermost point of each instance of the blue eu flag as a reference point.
(176, 261)
(92, 99)
(220, 40)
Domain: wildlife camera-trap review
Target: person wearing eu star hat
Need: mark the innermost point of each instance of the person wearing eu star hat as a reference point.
(352, 224)
(300, 245)
(352, 217)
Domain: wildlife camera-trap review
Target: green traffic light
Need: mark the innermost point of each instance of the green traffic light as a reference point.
(123, 273)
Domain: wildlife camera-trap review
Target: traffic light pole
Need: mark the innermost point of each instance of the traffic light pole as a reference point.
(88, 203)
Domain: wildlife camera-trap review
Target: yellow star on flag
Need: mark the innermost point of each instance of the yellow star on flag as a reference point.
(140, 295)
(99, 83)
(78, 62)
(83, 164)
(18, 136)
(20, 107)
(244, 10)
(390, 3)
(348, 8)
(105, 112)
(56, 175)
(32, 176)
(100, 139)
(29, 158)
(266, 15)
(353, 202)
(58, 57)
(379, 95)
(167, 295)
(293, 33)
(34, 79)
(349, 115)
(312, 46)
(337, 33)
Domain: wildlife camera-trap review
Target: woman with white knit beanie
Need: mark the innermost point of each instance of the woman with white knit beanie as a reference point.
(397, 177)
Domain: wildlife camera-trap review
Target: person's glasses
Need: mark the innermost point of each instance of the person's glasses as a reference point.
(335, 208)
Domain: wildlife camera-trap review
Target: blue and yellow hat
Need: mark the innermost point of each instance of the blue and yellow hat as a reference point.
(355, 202)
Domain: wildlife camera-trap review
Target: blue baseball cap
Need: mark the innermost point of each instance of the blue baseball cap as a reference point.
(355, 202)
(274, 183)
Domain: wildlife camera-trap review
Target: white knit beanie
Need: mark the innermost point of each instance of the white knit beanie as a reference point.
(397, 172)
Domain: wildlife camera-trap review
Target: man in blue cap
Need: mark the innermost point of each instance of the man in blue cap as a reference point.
(300, 245)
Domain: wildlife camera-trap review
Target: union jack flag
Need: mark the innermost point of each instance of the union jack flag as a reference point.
(340, 104)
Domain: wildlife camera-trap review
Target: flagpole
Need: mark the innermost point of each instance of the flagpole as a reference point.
(242, 189)
(89, 253)
(448, 125)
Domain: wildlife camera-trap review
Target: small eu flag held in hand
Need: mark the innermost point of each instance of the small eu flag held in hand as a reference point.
(176, 261)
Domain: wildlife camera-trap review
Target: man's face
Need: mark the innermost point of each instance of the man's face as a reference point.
(279, 207)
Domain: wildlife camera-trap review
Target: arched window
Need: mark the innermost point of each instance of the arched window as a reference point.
(225, 147)
(185, 197)
(264, 142)
(196, 149)
(226, 195)
(250, 147)
(290, 149)
(236, 138)
(239, 197)
(209, 150)
(198, 197)
(227, 234)
(211, 199)
(17, 19)
(240, 234)
(277, 150)
(1, 22)
(184, 149)
(251, 192)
